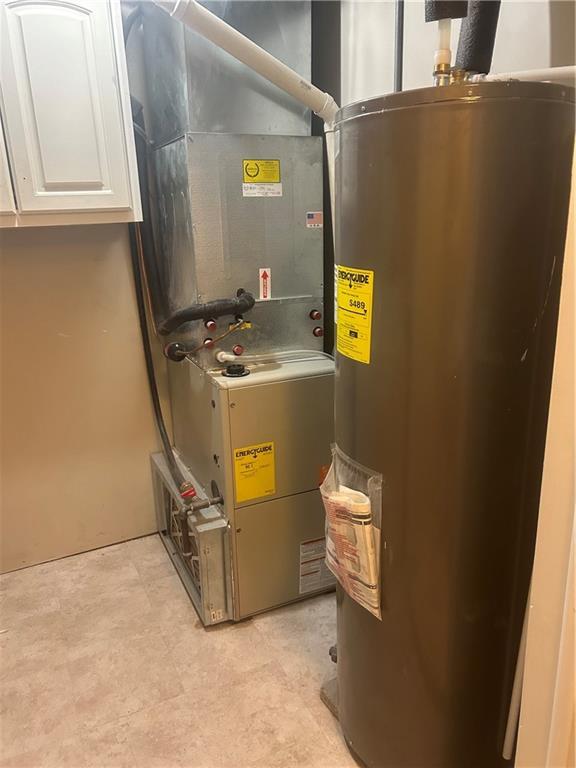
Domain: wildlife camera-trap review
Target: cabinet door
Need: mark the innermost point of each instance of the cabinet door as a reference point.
(6, 196)
(63, 114)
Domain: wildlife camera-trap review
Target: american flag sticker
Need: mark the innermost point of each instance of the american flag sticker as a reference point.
(314, 220)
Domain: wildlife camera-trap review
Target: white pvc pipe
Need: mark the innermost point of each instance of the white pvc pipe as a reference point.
(201, 20)
(287, 355)
(443, 53)
(551, 75)
(330, 161)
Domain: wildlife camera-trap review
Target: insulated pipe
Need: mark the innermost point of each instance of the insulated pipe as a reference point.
(201, 20)
(218, 308)
(477, 36)
(435, 10)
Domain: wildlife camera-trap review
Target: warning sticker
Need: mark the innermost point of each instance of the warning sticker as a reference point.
(265, 283)
(354, 303)
(314, 573)
(261, 171)
(254, 471)
(261, 178)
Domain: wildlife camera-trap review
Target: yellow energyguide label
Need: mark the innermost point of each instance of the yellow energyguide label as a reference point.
(254, 471)
(261, 171)
(354, 292)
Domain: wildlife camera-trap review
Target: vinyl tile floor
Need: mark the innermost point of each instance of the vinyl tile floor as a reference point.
(104, 664)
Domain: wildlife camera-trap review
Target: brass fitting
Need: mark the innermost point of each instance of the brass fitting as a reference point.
(442, 74)
(458, 75)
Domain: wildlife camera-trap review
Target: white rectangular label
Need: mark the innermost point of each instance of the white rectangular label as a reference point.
(265, 283)
(314, 573)
(262, 190)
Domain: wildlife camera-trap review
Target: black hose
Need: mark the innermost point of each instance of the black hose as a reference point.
(477, 36)
(399, 45)
(434, 10)
(137, 233)
(137, 256)
(151, 265)
(141, 256)
(141, 305)
(211, 309)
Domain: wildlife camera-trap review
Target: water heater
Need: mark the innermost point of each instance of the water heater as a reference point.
(451, 212)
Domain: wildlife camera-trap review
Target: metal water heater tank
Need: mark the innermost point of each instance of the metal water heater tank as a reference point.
(453, 201)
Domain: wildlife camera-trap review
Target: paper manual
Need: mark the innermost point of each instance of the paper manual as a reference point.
(352, 545)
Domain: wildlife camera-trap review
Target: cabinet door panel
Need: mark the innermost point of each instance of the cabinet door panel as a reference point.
(62, 106)
(6, 196)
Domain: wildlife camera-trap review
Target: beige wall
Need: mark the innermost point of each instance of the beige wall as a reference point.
(76, 422)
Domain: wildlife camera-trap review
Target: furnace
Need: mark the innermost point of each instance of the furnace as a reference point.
(251, 390)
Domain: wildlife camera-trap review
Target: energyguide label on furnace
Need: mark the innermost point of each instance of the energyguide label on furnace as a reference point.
(254, 471)
(354, 290)
(261, 178)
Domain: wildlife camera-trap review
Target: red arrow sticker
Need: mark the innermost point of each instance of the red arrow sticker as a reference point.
(265, 283)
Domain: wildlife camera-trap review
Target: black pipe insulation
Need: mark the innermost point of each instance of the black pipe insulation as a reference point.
(243, 302)
(477, 36)
(434, 10)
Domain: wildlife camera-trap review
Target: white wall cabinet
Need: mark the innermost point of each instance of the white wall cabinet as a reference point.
(66, 112)
(7, 204)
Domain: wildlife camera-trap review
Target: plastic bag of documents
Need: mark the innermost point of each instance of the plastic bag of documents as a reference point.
(352, 496)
